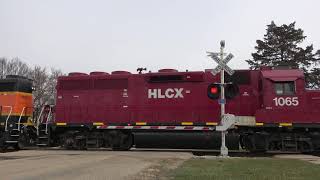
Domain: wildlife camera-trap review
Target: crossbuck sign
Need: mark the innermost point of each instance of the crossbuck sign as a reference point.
(222, 63)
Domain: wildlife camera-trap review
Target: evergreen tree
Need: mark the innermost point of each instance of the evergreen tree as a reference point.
(280, 47)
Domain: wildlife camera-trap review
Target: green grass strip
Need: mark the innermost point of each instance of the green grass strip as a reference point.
(246, 169)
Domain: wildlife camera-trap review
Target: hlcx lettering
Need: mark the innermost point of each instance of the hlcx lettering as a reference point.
(168, 93)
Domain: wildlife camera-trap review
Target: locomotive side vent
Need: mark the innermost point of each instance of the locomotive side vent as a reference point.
(75, 85)
(110, 84)
(166, 78)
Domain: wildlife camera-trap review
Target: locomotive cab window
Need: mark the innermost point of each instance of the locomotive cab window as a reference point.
(284, 88)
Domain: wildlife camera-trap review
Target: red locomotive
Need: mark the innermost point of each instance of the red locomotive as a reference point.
(171, 109)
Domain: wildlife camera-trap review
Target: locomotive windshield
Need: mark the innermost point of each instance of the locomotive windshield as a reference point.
(284, 88)
(7, 86)
(20, 84)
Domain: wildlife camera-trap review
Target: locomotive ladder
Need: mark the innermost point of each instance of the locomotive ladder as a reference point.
(42, 128)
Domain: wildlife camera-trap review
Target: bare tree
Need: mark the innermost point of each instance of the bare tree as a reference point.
(40, 81)
(3, 65)
(44, 82)
(45, 87)
(14, 67)
(17, 67)
(52, 83)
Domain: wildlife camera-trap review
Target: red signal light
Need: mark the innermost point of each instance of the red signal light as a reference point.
(214, 90)
(231, 91)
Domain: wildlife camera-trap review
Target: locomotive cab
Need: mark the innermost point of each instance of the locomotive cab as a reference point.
(15, 108)
(287, 117)
(282, 96)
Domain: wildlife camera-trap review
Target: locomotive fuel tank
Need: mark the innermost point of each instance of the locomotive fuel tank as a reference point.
(184, 140)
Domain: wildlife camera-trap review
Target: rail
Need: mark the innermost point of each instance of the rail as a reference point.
(8, 117)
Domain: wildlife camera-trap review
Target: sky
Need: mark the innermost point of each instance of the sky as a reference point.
(110, 35)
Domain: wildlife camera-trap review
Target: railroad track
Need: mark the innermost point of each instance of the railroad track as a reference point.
(195, 152)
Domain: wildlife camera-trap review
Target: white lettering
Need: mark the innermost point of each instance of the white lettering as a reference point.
(295, 101)
(169, 93)
(152, 93)
(178, 93)
(160, 95)
(289, 101)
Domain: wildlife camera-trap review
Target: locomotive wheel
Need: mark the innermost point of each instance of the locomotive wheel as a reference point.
(254, 143)
(274, 146)
(22, 141)
(16, 147)
(81, 144)
(3, 146)
(69, 141)
(305, 147)
(120, 141)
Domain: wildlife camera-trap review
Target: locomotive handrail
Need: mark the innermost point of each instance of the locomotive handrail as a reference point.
(38, 120)
(47, 121)
(20, 118)
(6, 124)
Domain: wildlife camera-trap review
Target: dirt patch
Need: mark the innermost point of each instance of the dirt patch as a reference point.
(304, 157)
(159, 171)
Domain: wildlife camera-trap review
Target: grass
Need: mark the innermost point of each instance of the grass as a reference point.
(246, 169)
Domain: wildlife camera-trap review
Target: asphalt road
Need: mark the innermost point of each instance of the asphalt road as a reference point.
(81, 165)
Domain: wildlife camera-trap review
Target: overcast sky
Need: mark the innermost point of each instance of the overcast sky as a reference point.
(84, 36)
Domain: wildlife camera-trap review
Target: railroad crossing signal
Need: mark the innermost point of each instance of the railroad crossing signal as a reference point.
(214, 91)
(222, 64)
